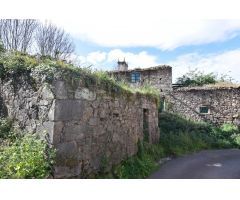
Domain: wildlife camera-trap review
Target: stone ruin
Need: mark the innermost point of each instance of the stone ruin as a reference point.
(90, 127)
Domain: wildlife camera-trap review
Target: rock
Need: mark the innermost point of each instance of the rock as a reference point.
(84, 93)
(47, 93)
(66, 110)
(67, 154)
(60, 90)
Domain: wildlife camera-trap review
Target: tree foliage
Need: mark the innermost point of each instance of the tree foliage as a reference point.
(197, 78)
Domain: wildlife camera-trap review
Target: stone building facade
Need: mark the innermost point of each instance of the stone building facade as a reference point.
(159, 77)
(211, 104)
(214, 105)
(90, 127)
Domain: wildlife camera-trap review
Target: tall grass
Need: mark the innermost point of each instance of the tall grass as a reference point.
(178, 136)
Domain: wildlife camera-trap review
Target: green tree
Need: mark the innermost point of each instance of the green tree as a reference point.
(197, 78)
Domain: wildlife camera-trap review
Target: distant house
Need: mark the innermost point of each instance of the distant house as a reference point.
(159, 76)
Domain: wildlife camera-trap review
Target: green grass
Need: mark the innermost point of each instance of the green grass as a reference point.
(138, 166)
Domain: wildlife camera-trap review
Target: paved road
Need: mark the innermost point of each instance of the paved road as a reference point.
(208, 164)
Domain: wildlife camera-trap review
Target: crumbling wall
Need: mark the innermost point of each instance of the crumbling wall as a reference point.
(91, 128)
(94, 129)
(223, 104)
(27, 102)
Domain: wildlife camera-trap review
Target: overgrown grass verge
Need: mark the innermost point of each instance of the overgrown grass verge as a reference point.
(180, 136)
(138, 166)
(23, 155)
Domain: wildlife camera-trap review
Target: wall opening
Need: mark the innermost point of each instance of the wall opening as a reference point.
(204, 110)
(146, 125)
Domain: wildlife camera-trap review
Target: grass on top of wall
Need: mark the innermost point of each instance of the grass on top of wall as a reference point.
(13, 64)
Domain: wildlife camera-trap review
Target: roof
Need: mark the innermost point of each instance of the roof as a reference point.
(217, 86)
(143, 69)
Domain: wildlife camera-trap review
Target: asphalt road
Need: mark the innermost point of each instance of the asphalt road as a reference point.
(208, 164)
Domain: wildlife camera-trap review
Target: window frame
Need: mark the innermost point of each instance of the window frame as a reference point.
(202, 107)
(135, 77)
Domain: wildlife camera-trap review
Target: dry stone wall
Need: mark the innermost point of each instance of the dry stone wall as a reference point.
(94, 129)
(91, 128)
(223, 104)
(28, 104)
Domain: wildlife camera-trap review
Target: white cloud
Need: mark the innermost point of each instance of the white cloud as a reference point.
(223, 63)
(108, 60)
(96, 57)
(145, 30)
(141, 59)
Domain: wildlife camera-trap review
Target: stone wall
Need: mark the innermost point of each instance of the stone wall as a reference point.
(28, 104)
(91, 128)
(159, 77)
(223, 104)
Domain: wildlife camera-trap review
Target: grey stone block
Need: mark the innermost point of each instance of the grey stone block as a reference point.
(67, 110)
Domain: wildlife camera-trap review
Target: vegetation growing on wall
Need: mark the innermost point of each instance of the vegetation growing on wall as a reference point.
(138, 166)
(23, 155)
(16, 63)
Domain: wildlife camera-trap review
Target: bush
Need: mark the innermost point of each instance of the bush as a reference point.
(26, 157)
(226, 136)
(23, 155)
(198, 78)
(5, 128)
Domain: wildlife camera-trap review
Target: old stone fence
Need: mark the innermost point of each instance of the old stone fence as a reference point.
(215, 105)
(90, 128)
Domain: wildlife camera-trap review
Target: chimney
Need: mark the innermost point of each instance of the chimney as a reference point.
(122, 65)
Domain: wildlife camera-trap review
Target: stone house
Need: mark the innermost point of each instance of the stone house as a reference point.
(216, 105)
(213, 104)
(160, 76)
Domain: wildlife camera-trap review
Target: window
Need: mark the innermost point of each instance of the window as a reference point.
(135, 77)
(204, 109)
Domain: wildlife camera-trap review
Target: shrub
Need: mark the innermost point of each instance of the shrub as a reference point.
(197, 78)
(26, 157)
(5, 128)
